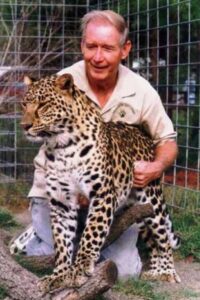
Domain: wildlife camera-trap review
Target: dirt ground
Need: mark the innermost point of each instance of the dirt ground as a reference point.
(189, 288)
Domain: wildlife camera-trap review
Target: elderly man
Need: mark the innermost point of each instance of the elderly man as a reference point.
(122, 96)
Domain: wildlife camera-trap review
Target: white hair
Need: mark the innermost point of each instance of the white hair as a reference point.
(107, 15)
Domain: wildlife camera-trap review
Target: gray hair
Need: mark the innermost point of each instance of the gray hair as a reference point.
(107, 15)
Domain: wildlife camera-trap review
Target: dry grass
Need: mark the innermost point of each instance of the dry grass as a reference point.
(13, 196)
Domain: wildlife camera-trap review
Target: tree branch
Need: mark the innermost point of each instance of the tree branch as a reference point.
(21, 284)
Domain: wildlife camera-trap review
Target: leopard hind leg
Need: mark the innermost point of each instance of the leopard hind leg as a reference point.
(161, 258)
(146, 236)
(174, 239)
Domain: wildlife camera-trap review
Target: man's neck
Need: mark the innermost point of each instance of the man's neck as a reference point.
(103, 89)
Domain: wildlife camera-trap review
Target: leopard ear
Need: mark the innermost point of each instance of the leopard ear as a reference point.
(65, 81)
(28, 80)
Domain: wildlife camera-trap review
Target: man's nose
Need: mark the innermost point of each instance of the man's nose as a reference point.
(98, 55)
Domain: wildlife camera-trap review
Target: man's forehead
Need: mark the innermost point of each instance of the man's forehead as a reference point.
(101, 32)
(99, 24)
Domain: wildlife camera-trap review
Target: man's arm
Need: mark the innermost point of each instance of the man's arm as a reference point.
(144, 172)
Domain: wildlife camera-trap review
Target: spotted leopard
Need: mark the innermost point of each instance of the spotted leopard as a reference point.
(85, 155)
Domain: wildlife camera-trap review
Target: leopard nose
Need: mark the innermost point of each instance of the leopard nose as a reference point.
(26, 126)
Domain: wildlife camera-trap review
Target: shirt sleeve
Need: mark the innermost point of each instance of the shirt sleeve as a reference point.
(154, 118)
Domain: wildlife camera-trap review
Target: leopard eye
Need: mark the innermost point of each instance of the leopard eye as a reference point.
(42, 104)
(23, 105)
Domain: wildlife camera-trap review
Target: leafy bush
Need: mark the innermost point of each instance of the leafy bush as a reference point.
(7, 221)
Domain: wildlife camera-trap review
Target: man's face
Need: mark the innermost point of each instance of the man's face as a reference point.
(102, 51)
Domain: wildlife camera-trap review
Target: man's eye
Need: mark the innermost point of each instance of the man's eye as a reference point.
(107, 48)
(91, 46)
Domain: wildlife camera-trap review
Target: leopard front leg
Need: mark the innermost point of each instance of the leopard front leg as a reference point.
(64, 223)
(97, 227)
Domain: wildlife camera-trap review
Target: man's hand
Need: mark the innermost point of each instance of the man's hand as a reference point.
(144, 172)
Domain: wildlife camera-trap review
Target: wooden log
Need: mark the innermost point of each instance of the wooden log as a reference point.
(120, 224)
(126, 218)
(104, 277)
(19, 283)
(22, 284)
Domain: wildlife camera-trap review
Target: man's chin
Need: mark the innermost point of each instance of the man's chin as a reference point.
(99, 75)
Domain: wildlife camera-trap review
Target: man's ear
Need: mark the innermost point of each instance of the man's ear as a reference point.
(82, 46)
(64, 82)
(126, 48)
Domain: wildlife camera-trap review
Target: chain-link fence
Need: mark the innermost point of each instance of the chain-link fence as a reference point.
(39, 37)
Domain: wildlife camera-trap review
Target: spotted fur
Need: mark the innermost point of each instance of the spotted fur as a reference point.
(85, 155)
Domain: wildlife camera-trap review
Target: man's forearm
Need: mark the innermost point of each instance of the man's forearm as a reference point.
(166, 153)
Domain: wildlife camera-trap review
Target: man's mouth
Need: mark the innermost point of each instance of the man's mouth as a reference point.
(99, 67)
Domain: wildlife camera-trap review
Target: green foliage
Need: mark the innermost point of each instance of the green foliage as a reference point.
(188, 294)
(32, 268)
(6, 220)
(185, 199)
(13, 195)
(100, 297)
(187, 135)
(3, 293)
(186, 222)
(14, 24)
(140, 288)
(188, 226)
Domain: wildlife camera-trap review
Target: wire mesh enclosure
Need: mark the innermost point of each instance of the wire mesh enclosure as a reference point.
(36, 38)
(41, 37)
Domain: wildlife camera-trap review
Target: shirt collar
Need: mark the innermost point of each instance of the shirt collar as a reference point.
(124, 87)
(83, 83)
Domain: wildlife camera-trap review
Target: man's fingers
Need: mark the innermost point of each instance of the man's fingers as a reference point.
(139, 177)
(138, 185)
(139, 182)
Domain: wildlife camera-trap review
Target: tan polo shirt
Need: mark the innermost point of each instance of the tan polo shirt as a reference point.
(133, 101)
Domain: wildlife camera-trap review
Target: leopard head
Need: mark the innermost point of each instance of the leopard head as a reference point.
(47, 106)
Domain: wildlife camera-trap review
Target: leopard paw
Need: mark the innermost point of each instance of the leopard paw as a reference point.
(149, 275)
(75, 277)
(72, 278)
(80, 280)
(168, 276)
(50, 283)
(44, 284)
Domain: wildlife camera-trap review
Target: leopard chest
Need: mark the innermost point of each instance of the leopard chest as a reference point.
(68, 170)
